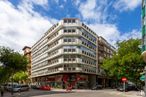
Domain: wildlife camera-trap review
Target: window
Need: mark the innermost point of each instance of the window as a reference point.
(69, 30)
(73, 30)
(65, 68)
(65, 30)
(69, 40)
(69, 50)
(65, 59)
(73, 21)
(82, 51)
(69, 59)
(65, 40)
(65, 21)
(69, 21)
(65, 50)
(82, 42)
(82, 60)
(73, 50)
(73, 59)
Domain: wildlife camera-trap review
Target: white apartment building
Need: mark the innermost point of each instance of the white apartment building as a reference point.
(67, 53)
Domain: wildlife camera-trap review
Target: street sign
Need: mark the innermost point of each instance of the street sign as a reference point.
(124, 79)
(142, 78)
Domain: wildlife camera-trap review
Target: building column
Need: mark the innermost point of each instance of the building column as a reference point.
(92, 81)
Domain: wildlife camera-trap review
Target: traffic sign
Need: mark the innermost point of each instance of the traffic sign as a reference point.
(142, 78)
(124, 79)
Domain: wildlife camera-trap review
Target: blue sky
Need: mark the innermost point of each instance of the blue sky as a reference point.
(23, 22)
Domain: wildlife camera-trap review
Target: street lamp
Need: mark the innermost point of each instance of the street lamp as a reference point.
(144, 58)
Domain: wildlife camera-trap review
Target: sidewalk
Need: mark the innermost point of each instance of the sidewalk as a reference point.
(127, 94)
(110, 91)
(8, 94)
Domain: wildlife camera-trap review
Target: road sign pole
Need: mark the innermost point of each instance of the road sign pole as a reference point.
(124, 86)
(124, 79)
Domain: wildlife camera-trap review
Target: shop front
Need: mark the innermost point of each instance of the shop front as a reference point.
(64, 81)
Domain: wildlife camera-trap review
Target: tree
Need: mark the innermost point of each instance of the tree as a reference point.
(4, 75)
(20, 76)
(127, 62)
(12, 61)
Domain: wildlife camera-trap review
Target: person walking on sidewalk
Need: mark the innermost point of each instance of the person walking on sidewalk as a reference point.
(2, 90)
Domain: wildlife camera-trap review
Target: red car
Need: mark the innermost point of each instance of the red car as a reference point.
(45, 88)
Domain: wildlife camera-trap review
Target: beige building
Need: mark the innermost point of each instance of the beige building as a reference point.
(27, 53)
(105, 50)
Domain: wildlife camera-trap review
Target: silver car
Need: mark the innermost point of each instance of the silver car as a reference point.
(14, 88)
(19, 88)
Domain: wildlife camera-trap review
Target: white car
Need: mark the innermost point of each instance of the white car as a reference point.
(15, 88)
(8, 86)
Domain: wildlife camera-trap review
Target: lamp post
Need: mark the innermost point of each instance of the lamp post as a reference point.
(144, 58)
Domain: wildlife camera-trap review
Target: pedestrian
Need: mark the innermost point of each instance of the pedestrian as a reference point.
(2, 91)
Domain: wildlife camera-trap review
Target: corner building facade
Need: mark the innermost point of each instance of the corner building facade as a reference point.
(66, 54)
(143, 20)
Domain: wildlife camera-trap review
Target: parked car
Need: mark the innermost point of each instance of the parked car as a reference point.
(8, 86)
(97, 87)
(14, 88)
(18, 88)
(24, 87)
(35, 86)
(127, 88)
(45, 88)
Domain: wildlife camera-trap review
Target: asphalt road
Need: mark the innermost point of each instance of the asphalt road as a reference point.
(74, 93)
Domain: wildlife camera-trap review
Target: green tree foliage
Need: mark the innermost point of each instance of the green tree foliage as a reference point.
(3, 74)
(20, 76)
(126, 62)
(12, 62)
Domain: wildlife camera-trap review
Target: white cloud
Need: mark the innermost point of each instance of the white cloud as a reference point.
(22, 25)
(65, 0)
(94, 10)
(39, 2)
(56, 1)
(87, 9)
(98, 11)
(133, 34)
(108, 31)
(61, 6)
(125, 5)
(77, 2)
(111, 33)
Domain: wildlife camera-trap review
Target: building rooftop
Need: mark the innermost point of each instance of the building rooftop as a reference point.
(26, 47)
